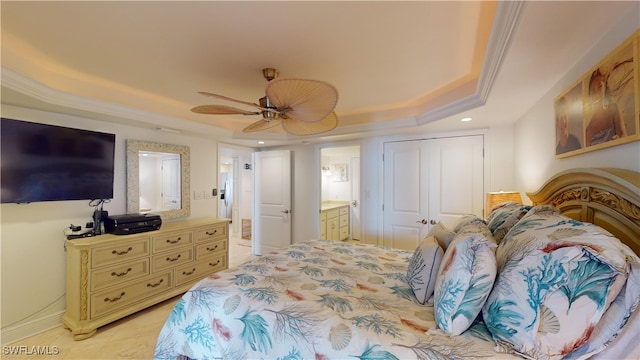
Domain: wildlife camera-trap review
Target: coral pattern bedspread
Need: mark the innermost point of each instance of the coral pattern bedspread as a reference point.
(317, 299)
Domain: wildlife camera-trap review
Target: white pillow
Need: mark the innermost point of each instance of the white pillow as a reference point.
(423, 268)
(442, 235)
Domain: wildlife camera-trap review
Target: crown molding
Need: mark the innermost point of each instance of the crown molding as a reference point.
(502, 32)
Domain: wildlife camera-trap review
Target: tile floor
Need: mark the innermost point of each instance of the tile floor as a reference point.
(133, 337)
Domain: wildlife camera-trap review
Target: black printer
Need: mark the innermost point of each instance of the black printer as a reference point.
(131, 223)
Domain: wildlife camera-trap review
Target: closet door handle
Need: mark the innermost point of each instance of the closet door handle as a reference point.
(432, 222)
(423, 221)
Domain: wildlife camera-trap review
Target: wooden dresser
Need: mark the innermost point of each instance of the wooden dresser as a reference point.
(111, 276)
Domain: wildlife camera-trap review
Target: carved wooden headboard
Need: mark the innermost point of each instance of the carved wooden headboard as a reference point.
(607, 197)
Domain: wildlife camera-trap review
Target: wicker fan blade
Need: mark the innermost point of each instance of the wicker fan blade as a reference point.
(221, 110)
(303, 100)
(261, 125)
(221, 97)
(302, 128)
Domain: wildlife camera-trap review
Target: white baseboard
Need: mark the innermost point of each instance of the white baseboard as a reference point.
(28, 329)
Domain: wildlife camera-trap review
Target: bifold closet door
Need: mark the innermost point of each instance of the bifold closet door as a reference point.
(406, 198)
(456, 179)
(426, 181)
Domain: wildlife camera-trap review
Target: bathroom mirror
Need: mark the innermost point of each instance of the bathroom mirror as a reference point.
(158, 179)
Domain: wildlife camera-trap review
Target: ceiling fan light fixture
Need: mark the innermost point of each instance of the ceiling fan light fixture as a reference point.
(266, 114)
(270, 73)
(303, 107)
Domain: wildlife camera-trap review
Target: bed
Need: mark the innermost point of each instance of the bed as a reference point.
(547, 280)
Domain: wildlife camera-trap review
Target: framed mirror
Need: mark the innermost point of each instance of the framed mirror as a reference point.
(158, 178)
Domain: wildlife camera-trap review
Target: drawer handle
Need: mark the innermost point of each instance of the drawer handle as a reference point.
(174, 259)
(217, 262)
(174, 241)
(121, 274)
(115, 298)
(156, 284)
(122, 252)
(187, 273)
(211, 233)
(210, 249)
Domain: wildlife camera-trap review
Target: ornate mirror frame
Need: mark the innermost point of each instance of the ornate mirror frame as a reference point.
(133, 177)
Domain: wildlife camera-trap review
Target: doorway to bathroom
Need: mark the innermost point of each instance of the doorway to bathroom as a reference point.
(340, 193)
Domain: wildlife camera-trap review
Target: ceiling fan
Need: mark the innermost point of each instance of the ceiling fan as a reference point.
(302, 107)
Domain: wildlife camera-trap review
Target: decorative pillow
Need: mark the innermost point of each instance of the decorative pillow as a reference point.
(503, 217)
(467, 220)
(557, 279)
(465, 278)
(423, 267)
(442, 235)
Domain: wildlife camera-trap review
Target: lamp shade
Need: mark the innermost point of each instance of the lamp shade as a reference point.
(495, 198)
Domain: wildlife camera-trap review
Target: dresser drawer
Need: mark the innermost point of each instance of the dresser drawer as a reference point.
(199, 270)
(118, 252)
(211, 232)
(344, 221)
(171, 241)
(344, 211)
(204, 250)
(172, 258)
(114, 299)
(112, 275)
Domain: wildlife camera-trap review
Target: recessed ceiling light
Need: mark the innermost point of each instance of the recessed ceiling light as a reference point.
(466, 119)
(260, 142)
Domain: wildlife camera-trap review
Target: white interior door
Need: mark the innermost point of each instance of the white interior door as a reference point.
(406, 197)
(355, 198)
(171, 184)
(271, 225)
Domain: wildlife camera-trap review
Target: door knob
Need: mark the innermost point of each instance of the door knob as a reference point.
(354, 203)
(432, 222)
(285, 211)
(423, 221)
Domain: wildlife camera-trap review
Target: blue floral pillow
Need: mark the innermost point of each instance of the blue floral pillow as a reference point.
(465, 277)
(503, 217)
(557, 279)
(423, 268)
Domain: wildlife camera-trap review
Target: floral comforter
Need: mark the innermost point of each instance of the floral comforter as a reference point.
(317, 299)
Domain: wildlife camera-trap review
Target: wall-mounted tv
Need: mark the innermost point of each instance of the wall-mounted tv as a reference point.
(40, 162)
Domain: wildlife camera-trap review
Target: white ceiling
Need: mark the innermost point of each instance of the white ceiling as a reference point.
(398, 66)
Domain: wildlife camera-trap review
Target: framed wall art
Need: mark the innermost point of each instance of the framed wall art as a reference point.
(339, 172)
(602, 108)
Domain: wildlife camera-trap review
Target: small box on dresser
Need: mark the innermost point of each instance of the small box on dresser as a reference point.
(112, 276)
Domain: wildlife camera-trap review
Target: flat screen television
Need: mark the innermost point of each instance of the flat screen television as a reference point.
(40, 162)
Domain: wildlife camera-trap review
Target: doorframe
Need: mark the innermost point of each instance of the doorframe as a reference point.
(333, 145)
(234, 152)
